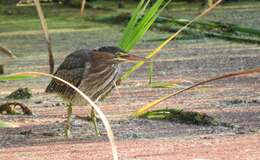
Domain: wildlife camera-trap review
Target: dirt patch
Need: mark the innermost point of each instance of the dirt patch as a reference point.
(45, 127)
(234, 101)
(204, 147)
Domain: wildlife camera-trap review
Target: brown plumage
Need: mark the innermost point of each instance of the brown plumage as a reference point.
(92, 71)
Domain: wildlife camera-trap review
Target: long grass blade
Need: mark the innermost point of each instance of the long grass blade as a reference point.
(144, 24)
(130, 26)
(154, 52)
(132, 31)
(15, 77)
(97, 109)
(46, 34)
(148, 106)
(139, 25)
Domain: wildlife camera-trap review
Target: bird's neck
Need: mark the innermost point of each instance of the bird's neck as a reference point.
(101, 79)
(100, 67)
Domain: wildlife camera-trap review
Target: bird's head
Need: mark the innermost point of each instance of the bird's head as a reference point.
(114, 54)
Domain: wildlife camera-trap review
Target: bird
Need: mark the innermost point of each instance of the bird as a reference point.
(95, 72)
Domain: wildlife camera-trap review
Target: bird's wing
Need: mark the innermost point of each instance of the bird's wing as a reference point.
(71, 70)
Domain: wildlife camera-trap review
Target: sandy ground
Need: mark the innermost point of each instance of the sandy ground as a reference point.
(234, 101)
(200, 148)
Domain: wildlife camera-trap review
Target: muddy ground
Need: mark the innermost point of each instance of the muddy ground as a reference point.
(235, 101)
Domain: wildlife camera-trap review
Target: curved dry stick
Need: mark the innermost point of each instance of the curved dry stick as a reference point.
(7, 52)
(46, 34)
(98, 110)
(152, 104)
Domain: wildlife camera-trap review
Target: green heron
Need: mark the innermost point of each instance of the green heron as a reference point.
(95, 72)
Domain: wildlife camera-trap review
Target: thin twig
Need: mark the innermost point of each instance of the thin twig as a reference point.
(232, 74)
(46, 34)
(82, 9)
(7, 51)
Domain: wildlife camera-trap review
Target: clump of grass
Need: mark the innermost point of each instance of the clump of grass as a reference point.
(140, 22)
(174, 35)
(182, 116)
(148, 106)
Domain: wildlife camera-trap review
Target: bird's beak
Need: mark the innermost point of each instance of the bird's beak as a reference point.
(129, 57)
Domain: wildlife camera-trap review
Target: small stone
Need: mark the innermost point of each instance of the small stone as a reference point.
(49, 134)
(20, 93)
(26, 133)
(59, 104)
(38, 102)
(76, 123)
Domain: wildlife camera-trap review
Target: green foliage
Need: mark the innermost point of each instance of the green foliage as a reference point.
(153, 84)
(181, 116)
(6, 125)
(14, 77)
(140, 22)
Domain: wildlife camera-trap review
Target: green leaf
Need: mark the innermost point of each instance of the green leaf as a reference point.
(174, 35)
(12, 77)
(6, 125)
(179, 115)
(135, 16)
(163, 85)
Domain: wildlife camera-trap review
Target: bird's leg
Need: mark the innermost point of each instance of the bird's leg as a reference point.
(68, 124)
(94, 120)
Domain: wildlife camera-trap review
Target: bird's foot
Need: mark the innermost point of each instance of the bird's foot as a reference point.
(92, 119)
(67, 131)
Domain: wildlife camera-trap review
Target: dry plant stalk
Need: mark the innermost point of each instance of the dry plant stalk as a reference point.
(7, 52)
(82, 9)
(145, 108)
(46, 34)
(97, 109)
(154, 52)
